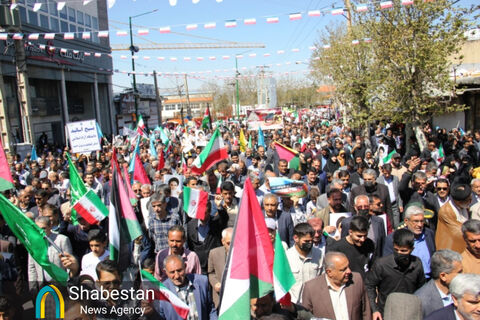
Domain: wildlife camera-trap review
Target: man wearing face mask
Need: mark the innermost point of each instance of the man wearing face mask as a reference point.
(451, 217)
(371, 187)
(376, 230)
(305, 260)
(398, 272)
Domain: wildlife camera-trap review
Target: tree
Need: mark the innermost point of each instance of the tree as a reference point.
(402, 72)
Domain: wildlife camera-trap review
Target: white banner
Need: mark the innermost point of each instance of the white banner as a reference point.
(83, 136)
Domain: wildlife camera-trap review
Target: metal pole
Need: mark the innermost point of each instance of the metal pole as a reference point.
(236, 84)
(159, 101)
(132, 51)
(189, 109)
(181, 105)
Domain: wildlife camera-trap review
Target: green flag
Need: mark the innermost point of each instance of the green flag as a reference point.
(294, 163)
(32, 237)
(77, 187)
(388, 158)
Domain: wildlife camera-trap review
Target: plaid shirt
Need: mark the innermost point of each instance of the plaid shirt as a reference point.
(185, 293)
(158, 230)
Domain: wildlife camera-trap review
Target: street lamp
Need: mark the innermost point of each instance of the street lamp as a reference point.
(134, 49)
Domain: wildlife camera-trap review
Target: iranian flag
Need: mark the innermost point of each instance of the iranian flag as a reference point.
(214, 151)
(441, 154)
(149, 282)
(140, 125)
(195, 202)
(207, 120)
(283, 279)
(249, 268)
(77, 187)
(91, 208)
(388, 158)
(6, 180)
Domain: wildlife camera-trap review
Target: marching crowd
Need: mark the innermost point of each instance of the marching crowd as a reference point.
(389, 228)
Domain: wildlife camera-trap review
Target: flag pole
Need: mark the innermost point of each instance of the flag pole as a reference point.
(53, 244)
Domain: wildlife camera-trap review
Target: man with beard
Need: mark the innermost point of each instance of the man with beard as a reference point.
(451, 217)
(334, 206)
(397, 168)
(398, 272)
(371, 187)
(305, 260)
(376, 230)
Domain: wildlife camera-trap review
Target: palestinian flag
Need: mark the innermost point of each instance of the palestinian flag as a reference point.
(288, 154)
(389, 157)
(91, 208)
(149, 282)
(214, 152)
(284, 187)
(249, 268)
(123, 225)
(77, 187)
(207, 120)
(6, 180)
(283, 279)
(128, 187)
(195, 202)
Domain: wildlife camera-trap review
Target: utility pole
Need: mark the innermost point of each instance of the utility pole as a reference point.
(237, 89)
(189, 109)
(349, 14)
(158, 98)
(181, 105)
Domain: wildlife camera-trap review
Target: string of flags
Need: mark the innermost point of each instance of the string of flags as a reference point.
(232, 23)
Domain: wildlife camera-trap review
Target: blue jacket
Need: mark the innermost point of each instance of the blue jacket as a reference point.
(446, 313)
(203, 299)
(429, 239)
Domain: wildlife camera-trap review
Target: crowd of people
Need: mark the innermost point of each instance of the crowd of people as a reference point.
(389, 228)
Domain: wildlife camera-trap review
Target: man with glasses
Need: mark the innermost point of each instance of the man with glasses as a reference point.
(424, 243)
(41, 199)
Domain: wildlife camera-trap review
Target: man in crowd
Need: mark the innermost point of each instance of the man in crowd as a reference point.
(216, 264)
(471, 254)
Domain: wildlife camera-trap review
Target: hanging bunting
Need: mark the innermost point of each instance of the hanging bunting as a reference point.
(173, 59)
(295, 50)
(199, 58)
(252, 55)
(210, 25)
(103, 34)
(266, 55)
(121, 33)
(239, 56)
(407, 2)
(49, 36)
(17, 36)
(225, 57)
(85, 2)
(187, 59)
(143, 32)
(63, 50)
(311, 48)
(87, 54)
(33, 36)
(326, 46)
(273, 20)
(250, 21)
(230, 24)
(123, 56)
(212, 58)
(98, 54)
(295, 16)
(355, 42)
(146, 58)
(37, 6)
(60, 5)
(367, 40)
(386, 4)
(195, 1)
(280, 51)
(164, 30)
(13, 6)
(338, 11)
(3, 36)
(190, 27)
(161, 58)
(86, 35)
(111, 3)
(314, 13)
(69, 36)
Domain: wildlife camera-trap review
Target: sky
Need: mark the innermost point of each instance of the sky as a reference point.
(293, 39)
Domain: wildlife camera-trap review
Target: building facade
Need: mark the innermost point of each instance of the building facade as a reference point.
(68, 79)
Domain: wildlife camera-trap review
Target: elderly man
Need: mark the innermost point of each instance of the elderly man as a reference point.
(471, 254)
(465, 290)
(338, 293)
(445, 265)
(192, 289)
(334, 206)
(424, 245)
(283, 219)
(371, 187)
(216, 264)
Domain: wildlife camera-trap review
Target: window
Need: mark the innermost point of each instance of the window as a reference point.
(52, 8)
(44, 6)
(23, 14)
(73, 28)
(54, 24)
(94, 23)
(71, 14)
(64, 26)
(63, 13)
(30, 3)
(44, 21)
(32, 17)
(80, 29)
(80, 17)
(88, 20)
